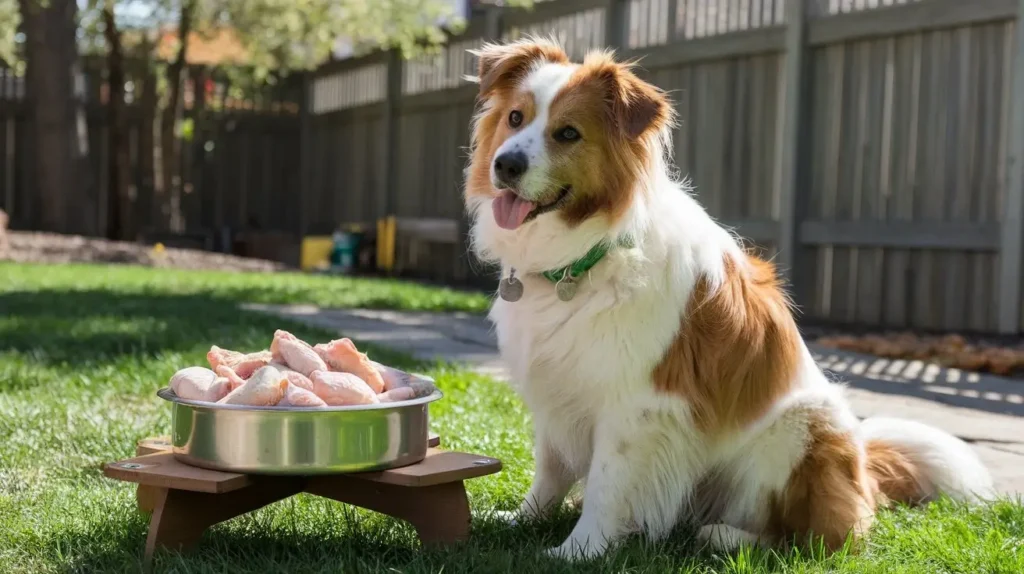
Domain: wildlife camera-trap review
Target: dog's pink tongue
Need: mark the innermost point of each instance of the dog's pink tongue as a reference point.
(510, 210)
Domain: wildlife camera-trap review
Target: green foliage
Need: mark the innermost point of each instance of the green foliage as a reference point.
(285, 34)
(10, 19)
(296, 34)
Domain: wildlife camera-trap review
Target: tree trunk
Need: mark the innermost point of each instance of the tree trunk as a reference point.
(120, 205)
(170, 145)
(57, 120)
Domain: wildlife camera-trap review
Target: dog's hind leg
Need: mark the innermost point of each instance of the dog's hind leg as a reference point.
(644, 467)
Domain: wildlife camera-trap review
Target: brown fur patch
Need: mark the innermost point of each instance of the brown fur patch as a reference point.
(738, 348)
(503, 66)
(896, 477)
(829, 496)
(616, 114)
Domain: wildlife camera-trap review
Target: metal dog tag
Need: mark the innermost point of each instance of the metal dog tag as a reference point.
(510, 288)
(566, 288)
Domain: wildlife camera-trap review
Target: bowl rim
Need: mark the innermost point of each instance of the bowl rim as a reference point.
(169, 395)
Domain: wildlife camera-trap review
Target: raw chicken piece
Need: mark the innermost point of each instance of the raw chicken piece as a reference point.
(300, 397)
(413, 390)
(199, 384)
(397, 394)
(294, 377)
(298, 355)
(341, 355)
(234, 381)
(393, 378)
(265, 388)
(282, 335)
(342, 389)
(243, 364)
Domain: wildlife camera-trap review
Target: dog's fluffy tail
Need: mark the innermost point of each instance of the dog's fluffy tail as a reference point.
(914, 463)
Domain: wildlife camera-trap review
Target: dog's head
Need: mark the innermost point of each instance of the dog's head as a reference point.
(560, 150)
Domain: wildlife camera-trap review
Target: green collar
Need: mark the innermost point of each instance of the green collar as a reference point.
(585, 263)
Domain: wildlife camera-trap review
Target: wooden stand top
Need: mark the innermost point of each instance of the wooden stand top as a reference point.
(156, 466)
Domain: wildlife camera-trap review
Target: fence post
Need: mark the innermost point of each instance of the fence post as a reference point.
(790, 181)
(305, 151)
(468, 269)
(391, 130)
(1012, 229)
(615, 24)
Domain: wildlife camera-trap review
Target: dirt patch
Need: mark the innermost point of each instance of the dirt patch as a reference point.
(25, 247)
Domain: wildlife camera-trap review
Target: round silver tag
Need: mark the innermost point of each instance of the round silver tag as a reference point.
(566, 289)
(510, 289)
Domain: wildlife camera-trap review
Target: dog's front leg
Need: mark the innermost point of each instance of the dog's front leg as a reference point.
(642, 473)
(552, 480)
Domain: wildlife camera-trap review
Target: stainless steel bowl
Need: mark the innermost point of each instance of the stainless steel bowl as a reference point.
(288, 440)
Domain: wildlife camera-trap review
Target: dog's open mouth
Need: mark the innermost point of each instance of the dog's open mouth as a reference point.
(511, 210)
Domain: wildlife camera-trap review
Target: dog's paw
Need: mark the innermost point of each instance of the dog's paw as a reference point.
(571, 550)
(509, 517)
(725, 538)
(563, 552)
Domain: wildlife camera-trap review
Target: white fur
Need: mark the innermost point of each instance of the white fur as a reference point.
(951, 466)
(545, 83)
(584, 368)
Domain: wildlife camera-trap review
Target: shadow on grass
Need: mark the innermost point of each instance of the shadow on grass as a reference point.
(263, 543)
(89, 328)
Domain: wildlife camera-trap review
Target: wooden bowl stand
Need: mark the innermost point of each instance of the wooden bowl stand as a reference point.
(186, 500)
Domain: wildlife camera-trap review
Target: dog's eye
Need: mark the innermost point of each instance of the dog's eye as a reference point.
(567, 134)
(515, 118)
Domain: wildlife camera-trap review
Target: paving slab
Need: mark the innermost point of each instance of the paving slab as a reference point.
(985, 410)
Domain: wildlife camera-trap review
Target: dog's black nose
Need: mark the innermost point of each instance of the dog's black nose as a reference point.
(510, 166)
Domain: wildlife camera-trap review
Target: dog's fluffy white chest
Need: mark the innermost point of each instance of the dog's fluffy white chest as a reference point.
(573, 360)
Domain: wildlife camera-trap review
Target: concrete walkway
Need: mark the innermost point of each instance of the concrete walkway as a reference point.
(985, 410)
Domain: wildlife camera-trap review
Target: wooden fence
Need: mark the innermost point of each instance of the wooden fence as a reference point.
(870, 146)
(239, 157)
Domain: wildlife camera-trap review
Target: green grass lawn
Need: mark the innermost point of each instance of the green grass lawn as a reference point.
(83, 350)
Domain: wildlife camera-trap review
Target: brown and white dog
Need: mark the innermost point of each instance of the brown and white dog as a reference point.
(673, 382)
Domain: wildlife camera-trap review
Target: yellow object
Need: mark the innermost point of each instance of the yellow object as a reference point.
(316, 252)
(386, 229)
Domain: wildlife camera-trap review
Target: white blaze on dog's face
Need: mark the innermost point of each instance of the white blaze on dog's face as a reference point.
(559, 140)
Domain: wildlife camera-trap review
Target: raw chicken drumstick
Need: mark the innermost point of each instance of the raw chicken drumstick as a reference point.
(199, 384)
(297, 354)
(342, 389)
(341, 355)
(294, 377)
(265, 388)
(234, 381)
(242, 364)
(300, 397)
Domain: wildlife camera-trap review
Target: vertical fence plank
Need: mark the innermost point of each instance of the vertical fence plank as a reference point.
(790, 179)
(391, 131)
(616, 25)
(305, 153)
(1012, 240)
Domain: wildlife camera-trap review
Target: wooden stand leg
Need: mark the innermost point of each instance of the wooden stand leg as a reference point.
(439, 513)
(180, 517)
(146, 497)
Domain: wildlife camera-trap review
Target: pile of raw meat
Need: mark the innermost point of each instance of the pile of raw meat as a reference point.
(294, 373)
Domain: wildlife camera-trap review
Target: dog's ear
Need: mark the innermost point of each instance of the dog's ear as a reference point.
(503, 65)
(635, 107)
